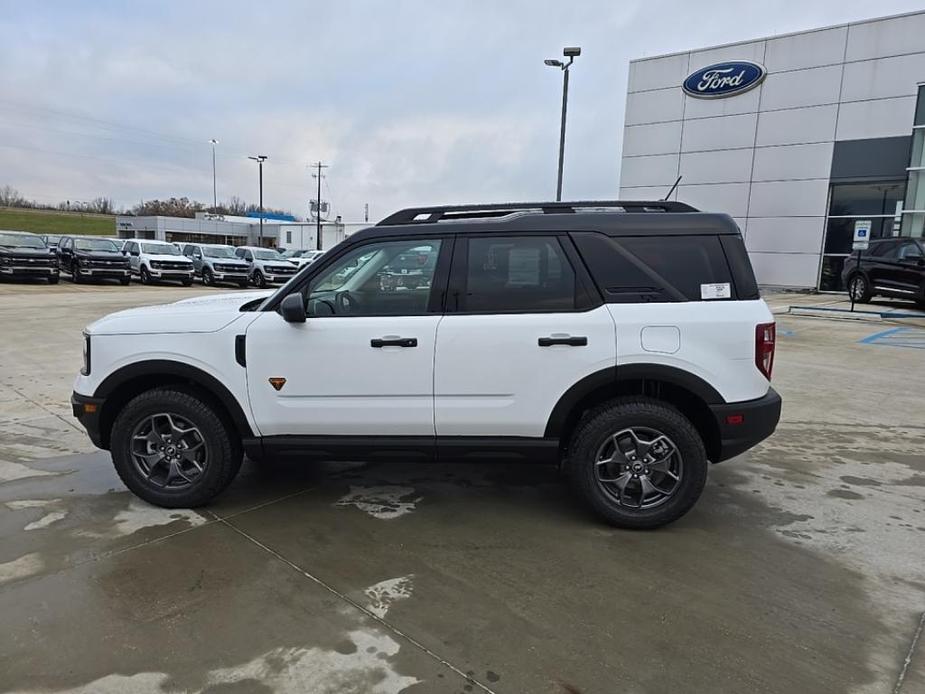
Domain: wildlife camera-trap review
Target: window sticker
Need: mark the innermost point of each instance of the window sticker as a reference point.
(716, 290)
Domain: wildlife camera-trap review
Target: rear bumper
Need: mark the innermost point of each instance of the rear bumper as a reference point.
(744, 424)
(87, 410)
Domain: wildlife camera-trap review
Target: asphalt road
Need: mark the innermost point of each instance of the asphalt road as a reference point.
(802, 569)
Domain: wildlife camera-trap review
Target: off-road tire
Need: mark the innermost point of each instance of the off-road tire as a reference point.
(225, 452)
(207, 278)
(125, 281)
(602, 422)
(260, 280)
(53, 280)
(145, 276)
(187, 283)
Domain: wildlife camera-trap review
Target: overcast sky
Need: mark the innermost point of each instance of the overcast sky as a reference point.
(409, 102)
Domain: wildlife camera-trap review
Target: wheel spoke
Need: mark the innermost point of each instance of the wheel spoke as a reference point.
(169, 450)
(648, 487)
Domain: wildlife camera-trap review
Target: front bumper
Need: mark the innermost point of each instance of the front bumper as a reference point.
(742, 425)
(88, 411)
(117, 272)
(230, 276)
(171, 274)
(28, 271)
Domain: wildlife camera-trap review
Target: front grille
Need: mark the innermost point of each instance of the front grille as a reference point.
(281, 269)
(32, 262)
(168, 265)
(109, 263)
(230, 268)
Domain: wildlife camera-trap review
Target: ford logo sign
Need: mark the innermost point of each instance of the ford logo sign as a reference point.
(724, 79)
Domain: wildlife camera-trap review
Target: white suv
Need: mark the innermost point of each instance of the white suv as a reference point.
(267, 266)
(624, 341)
(153, 261)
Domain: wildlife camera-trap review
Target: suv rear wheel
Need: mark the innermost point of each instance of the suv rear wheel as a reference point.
(172, 449)
(638, 462)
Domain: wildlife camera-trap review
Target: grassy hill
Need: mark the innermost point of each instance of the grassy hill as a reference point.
(53, 222)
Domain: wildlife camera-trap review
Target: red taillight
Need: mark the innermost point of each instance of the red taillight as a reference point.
(765, 334)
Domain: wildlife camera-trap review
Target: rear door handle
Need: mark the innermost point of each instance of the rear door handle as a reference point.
(563, 340)
(393, 342)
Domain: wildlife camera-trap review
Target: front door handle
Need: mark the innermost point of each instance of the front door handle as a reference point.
(393, 342)
(569, 340)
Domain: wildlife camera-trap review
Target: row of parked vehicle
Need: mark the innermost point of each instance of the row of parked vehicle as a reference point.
(92, 258)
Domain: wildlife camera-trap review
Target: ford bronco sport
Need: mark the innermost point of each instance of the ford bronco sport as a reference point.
(625, 341)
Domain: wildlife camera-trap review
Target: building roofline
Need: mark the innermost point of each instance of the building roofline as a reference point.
(779, 36)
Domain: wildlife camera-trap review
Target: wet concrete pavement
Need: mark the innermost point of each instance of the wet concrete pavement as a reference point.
(802, 568)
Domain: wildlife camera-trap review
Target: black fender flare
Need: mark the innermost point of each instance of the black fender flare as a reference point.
(166, 367)
(559, 417)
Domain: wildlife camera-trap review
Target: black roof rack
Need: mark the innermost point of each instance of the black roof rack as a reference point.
(429, 215)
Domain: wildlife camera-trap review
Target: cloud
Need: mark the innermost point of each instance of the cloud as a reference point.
(409, 102)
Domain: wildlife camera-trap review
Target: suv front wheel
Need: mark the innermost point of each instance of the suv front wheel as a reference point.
(859, 288)
(172, 449)
(638, 462)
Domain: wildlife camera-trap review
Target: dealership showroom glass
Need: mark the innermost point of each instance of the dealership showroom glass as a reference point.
(797, 136)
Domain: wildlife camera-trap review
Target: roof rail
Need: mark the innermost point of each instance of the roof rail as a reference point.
(428, 215)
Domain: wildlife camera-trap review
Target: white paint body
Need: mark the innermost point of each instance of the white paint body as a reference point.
(469, 375)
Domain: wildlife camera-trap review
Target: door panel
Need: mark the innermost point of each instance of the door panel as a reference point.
(336, 382)
(492, 378)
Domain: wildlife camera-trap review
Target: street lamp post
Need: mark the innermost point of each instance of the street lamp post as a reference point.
(260, 158)
(214, 189)
(570, 53)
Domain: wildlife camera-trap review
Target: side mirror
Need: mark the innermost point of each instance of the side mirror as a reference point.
(136, 252)
(124, 252)
(292, 308)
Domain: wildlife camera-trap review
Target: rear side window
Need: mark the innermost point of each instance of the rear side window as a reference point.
(517, 274)
(637, 269)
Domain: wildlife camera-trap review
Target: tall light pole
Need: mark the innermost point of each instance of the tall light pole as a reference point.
(260, 158)
(570, 53)
(214, 189)
(318, 165)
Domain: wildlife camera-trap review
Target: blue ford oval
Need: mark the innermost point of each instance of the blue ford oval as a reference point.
(724, 79)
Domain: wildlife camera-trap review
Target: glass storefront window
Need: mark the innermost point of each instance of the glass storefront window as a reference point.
(859, 199)
(830, 279)
(839, 232)
(920, 107)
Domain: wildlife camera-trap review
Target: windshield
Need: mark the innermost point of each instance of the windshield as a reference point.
(96, 245)
(218, 252)
(21, 241)
(266, 254)
(291, 253)
(52, 238)
(160, 249)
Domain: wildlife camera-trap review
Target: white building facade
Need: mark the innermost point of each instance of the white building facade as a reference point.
(829, 134)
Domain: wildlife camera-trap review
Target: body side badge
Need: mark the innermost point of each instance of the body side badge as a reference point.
(277, 383)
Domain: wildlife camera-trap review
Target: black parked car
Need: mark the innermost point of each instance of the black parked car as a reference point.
(890, 267)
(93, 257)
(26, 255)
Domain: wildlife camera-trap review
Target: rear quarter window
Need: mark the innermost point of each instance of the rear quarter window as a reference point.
(634, 269)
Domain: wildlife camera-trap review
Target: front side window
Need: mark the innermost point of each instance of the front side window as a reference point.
(517, 274)
(389, 278)
(910, 251)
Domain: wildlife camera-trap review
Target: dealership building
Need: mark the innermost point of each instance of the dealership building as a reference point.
(799, 137)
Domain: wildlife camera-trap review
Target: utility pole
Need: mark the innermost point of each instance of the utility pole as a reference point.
(318, 165)
(260, 158)
(366, 212)
(214, 189)
(571, 54)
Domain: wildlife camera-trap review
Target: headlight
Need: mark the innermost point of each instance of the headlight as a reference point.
(81, 261)
(155, 263)
(86, 365)
(4, 260)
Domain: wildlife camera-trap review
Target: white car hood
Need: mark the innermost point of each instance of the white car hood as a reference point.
(201, 314)
(168, 258)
